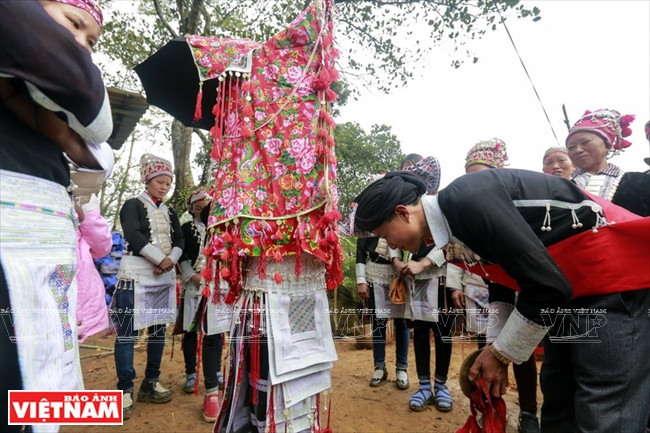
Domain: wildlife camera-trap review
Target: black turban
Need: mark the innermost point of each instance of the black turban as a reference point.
(378, 201)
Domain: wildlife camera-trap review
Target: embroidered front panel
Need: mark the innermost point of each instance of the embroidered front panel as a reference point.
(301, 314)
(59, 283)
(159, 226)
(156, 297)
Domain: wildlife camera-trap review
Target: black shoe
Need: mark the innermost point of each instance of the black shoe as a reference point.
(528, 423)
(153, 392)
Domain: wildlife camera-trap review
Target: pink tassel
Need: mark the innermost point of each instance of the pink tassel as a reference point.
(320, 85)
(246, 132)
(331, 95)
(323, 75)
(198, 108)
(246, 86)
(215, 154)
(247, 111)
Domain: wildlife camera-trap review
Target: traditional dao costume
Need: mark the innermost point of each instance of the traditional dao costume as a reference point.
(272, 229)
(612, 128)
(192, 262)
(573, 256)
(143, 299)
(38, 293)
(203, 323)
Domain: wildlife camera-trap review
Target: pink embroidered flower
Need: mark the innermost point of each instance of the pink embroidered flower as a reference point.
(299, 147)
(278, 169)
(290, 204)
(270, 72)
(309, 110)
(277, 93)
(293, 74)
(261, 194)
(289, 120)
(306, 164)
(273, 146)
(233, 209)
(306, 87)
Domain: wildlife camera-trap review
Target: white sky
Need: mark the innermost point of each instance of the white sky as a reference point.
(587, 54)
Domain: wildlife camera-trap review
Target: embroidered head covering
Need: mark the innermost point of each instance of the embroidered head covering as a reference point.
(89, 6)
(492, 153)
(608, 125)
(377, 202)
(429, 170)
(152, 166)
(410, 159)
(555, 149)
(197, 196)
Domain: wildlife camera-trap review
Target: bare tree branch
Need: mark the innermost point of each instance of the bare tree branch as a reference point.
(161, 17)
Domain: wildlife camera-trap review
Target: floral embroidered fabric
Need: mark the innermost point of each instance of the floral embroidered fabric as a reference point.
(274, 193)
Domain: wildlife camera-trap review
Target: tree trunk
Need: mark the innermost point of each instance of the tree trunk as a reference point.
(181, 148)
(121, 185)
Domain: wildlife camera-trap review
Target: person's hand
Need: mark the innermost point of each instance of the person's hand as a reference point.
(493, 371)
(80, 211)
(414, 267)
(398, 264)
(458, 298)
(165, 266)
(363, 291)
(196, 280)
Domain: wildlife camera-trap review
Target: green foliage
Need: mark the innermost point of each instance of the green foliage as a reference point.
(381, 40)
(360, 156)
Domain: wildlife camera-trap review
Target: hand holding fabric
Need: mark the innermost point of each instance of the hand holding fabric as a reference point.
(493, 372)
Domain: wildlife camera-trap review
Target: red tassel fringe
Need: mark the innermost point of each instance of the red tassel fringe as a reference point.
(198, 108)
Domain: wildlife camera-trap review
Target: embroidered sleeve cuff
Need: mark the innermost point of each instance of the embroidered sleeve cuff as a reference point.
(436, 256)
(519, 338)
(499, 313)
(360, 269)
(187, 271)
(454, 277)
(175, 254)
(153, 254)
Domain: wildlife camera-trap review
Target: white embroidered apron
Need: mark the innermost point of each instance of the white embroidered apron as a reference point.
(154, 295)
(37, 250)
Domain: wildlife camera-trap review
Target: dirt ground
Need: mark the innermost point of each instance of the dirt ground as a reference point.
(356, 408)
